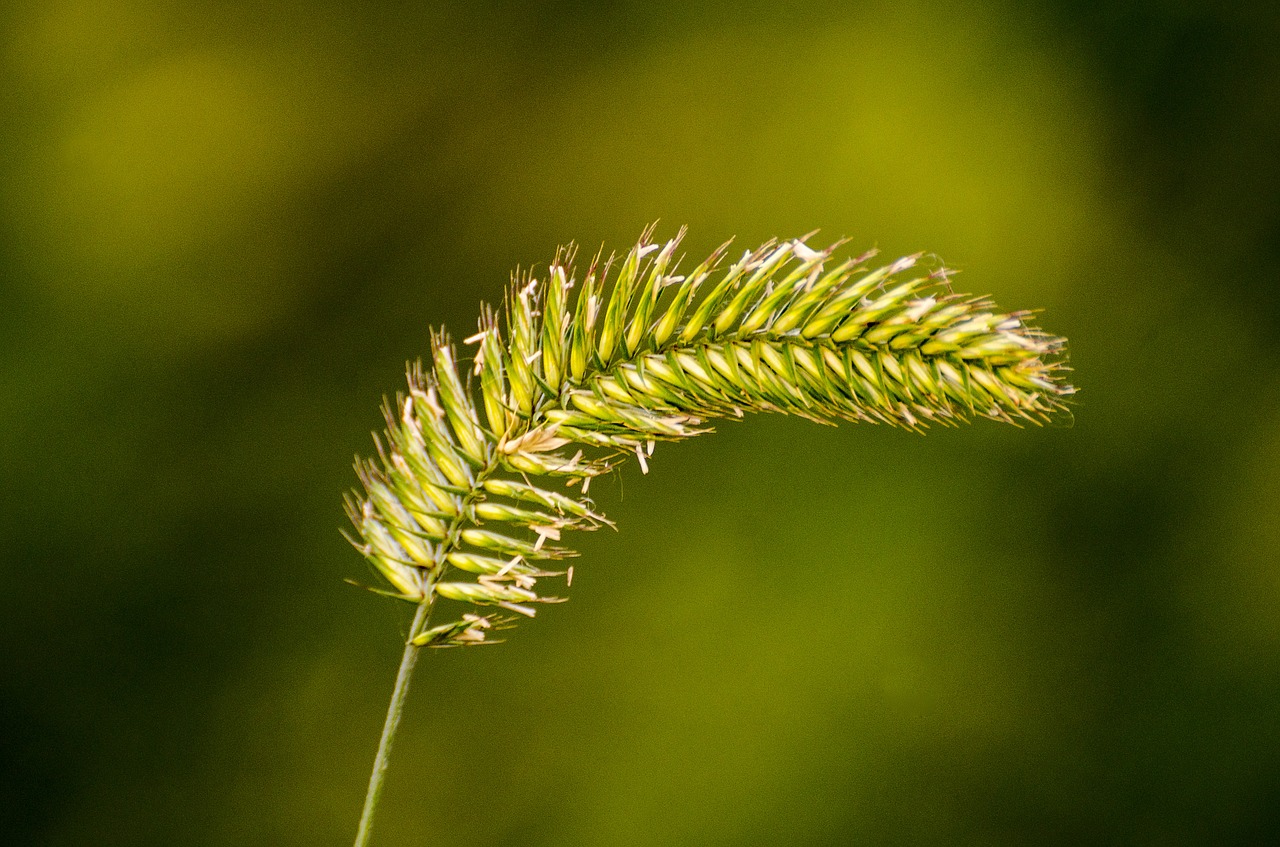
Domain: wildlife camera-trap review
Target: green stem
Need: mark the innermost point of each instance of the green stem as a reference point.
(394, 710)
(410, 658)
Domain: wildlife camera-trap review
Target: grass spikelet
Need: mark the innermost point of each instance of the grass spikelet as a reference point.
(588, 375)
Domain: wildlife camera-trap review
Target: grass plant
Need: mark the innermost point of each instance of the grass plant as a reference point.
(482, 469)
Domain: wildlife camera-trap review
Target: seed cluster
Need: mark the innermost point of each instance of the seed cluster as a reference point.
(645, 354)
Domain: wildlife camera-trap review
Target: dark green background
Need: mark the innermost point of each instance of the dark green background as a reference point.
(224, 226)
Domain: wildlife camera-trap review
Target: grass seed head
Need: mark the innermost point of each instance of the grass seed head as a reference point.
(642, 353)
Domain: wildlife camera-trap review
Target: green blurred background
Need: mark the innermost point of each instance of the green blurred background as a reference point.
(225, 226)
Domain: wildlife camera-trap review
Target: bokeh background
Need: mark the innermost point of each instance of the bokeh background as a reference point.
(225, 226)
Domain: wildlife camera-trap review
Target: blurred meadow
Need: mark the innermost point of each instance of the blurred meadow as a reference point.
(226, 226)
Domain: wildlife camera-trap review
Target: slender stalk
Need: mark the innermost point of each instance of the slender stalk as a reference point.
(408, 660)
(394, 711)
